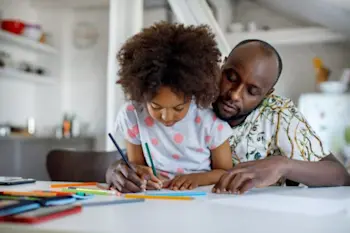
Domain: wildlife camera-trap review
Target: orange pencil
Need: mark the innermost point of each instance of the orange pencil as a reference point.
(73, 185)
(29, 194)
(158, 197)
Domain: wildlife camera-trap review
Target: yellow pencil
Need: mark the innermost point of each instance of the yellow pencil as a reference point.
(73, 185)
(158, 197)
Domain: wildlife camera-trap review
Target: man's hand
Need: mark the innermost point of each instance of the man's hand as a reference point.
(244, 176)
(120, 177)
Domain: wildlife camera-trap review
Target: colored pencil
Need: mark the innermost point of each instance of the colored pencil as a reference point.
(73, 184)
(115, 202)
(89, 191)
(150, 158)
(177, 194)
(158, 197)
(31, 194)
(19, 198)
(121, 152)
(59, 193)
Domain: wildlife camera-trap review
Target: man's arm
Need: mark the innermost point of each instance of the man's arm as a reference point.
(326, 172)
(299, 156)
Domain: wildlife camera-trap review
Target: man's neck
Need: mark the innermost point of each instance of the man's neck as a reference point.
(237, 122)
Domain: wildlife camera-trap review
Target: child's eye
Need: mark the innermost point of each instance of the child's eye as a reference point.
(156, 108)
(179, 109)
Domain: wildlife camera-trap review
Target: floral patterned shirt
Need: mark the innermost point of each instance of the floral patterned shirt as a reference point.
(276, 128)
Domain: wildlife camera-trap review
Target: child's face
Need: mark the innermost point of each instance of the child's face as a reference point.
(168, 107)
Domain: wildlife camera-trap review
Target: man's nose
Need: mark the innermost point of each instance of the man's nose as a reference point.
(236, 93)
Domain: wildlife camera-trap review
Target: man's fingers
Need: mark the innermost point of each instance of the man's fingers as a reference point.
(115, 184)
(221, 186)
(127, 185)
(132, 176)
(249, 184)
(239, 180)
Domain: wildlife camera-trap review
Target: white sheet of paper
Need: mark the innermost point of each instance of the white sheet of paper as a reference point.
(287, 204)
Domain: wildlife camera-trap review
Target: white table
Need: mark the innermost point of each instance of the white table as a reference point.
(210, 214)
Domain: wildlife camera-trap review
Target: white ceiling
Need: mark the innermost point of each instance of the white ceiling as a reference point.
(91, 3)
(333, 14)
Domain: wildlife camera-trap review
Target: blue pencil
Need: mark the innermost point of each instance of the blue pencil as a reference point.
(115, 202)
(121, 152)
(178, 194)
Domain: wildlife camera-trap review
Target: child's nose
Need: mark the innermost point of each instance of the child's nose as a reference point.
(167, 116)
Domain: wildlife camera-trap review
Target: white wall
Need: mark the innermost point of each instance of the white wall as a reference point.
(86, 71)
(82, 73)
(20, 100)
(298, 74)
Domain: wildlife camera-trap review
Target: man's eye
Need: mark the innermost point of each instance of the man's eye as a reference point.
(230, 76)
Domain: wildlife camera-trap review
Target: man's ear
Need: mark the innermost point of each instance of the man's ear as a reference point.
(224, 61)
(270, 91)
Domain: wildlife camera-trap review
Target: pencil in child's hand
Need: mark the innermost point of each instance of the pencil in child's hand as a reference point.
(121, 152)
(150, 158)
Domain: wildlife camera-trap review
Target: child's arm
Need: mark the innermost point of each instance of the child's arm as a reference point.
(127, 126)
(135, 156)
(135, 153)
(221, 162)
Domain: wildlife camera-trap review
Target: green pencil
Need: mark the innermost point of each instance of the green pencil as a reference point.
(150, 158)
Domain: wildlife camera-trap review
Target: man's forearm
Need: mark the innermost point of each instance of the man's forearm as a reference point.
(327, 172)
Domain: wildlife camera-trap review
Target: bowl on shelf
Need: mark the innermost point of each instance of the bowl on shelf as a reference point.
(333, 87)
(13, 26)
(33, 31)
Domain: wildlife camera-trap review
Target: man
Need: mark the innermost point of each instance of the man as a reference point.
(271, 141)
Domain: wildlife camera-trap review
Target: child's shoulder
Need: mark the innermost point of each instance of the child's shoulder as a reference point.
(207, 116)
(131, 109)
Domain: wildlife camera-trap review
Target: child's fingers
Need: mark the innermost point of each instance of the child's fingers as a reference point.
(193, 186)
(167, 183)
(173, 182)
(179, 182)
(186, 185)
(151, 185)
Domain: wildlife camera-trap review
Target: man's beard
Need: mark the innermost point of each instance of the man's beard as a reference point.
(239, 116)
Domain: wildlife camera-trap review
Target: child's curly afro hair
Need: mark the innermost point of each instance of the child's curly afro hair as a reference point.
(183, 58)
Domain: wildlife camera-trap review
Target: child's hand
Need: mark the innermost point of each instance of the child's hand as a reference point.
(183, 182)
(146, 174)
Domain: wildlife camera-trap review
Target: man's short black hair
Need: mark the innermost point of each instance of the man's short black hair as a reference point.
(267, 48)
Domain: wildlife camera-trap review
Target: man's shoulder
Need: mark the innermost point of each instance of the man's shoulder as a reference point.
(277, 103)
(273, 108)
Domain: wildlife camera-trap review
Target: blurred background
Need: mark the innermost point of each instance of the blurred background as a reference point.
(58, 67)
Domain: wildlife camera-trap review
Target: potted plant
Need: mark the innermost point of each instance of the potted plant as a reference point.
(346, 148)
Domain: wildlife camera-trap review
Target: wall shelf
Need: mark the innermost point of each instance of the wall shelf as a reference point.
(26, 42)
(21, 75)
(293, 36)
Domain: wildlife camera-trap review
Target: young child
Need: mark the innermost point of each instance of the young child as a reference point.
(169, 73)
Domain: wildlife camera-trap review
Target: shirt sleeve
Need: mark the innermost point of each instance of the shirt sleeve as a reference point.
(295, 138)
(220, 131)
(127, 125)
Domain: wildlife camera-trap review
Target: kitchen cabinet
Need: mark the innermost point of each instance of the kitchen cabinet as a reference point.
(26, 157)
